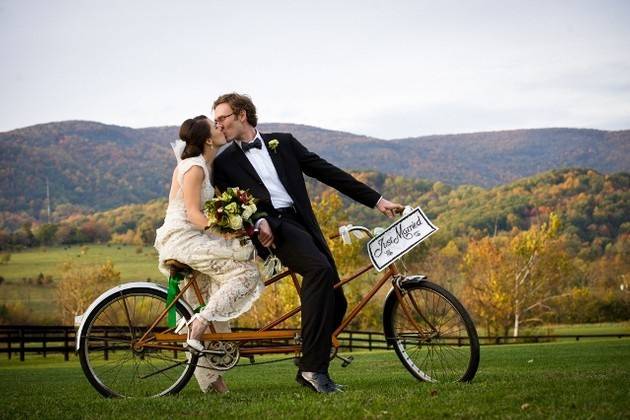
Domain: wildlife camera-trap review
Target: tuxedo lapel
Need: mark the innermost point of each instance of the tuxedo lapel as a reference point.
(242, 161)
(277, 161)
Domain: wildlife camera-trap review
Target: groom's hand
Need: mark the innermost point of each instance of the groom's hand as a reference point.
(265, 235)
(388, 208)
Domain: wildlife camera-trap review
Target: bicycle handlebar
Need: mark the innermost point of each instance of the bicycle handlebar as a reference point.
(363, 229)
(366, 230)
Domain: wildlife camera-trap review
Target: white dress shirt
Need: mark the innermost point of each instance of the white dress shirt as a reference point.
(261, 161)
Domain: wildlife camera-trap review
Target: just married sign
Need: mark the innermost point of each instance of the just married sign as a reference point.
(399, 238)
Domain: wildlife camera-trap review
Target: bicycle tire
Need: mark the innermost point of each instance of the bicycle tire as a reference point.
(94, 340)
(429, 347)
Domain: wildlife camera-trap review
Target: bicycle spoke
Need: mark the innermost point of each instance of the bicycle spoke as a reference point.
(126, 308)
(117, 365)
(441, 351)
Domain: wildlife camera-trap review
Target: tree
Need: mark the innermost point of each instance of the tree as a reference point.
(5, 258)
(45, 234)
(80, 285)
(511, 279)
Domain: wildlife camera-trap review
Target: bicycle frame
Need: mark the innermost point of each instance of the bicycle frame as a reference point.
(148, 340)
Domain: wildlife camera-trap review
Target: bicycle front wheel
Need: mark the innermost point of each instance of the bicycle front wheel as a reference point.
(111, 362)
(431, 332)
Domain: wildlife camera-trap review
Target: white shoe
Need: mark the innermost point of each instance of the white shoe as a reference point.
(195, 346)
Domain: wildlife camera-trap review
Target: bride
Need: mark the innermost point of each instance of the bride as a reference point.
(226, 272)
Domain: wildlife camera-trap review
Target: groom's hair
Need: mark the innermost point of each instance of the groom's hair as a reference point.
(239, 103)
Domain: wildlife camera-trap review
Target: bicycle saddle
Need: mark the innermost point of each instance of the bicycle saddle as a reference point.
(174, 264)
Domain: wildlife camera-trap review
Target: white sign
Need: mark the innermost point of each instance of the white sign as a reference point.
(399, 238)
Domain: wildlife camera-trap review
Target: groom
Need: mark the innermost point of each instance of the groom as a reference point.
(271, 167)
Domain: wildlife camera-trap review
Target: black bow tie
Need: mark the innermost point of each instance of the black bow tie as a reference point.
(252, 144)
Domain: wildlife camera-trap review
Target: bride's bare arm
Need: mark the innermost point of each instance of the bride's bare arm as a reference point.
(193, 179)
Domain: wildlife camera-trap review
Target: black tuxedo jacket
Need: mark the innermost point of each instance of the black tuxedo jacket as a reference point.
(291, 160)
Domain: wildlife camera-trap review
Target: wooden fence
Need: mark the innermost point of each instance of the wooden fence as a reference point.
(17, 340)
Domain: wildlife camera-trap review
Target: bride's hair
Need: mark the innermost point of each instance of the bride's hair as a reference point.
(195, 132)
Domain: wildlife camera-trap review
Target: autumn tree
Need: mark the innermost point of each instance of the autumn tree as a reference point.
(80, 285)
(511, 279)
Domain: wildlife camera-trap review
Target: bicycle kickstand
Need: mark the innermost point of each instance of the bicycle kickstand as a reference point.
(345, 361)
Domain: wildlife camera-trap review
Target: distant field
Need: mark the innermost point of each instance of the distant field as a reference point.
(571, 329)
(28, 264)
(131, 264)
(568, 380)
(576, 329)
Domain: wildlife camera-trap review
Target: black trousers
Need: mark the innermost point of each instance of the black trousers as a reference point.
(323, 307)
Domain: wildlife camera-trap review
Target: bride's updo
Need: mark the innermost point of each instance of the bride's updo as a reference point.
(195, 132)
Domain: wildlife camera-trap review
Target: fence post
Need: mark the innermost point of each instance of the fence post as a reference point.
(44, 343)
(105, 349)
(9, 334)
(21, 335)
(65, 345)
(350, 340)
(370, 341)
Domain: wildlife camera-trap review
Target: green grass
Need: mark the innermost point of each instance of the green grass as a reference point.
(600, 328)
(132, 265)
(587, 379)
(28, 264)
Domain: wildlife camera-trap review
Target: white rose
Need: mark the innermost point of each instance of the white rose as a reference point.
(248, 211)
(236, 222)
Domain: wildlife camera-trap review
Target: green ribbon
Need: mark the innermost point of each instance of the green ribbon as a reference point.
(173, 290)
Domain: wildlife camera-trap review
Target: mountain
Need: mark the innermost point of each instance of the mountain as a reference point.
(98, 166)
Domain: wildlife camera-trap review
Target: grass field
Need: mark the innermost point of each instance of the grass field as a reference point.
(587, 379)
(131, 264)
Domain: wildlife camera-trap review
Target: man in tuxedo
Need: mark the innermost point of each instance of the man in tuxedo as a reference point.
(271, 167)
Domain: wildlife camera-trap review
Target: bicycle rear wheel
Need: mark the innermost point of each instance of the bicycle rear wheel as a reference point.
(431, 332)
(107, 354)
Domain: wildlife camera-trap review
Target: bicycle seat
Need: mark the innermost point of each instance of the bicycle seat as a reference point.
(174, 264)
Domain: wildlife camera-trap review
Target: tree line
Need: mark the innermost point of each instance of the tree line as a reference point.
(550, 248)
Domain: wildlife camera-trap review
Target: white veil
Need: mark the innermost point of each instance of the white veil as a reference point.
(178, 148)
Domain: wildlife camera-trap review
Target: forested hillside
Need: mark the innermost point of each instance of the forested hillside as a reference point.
(593, 208)
(96, 166)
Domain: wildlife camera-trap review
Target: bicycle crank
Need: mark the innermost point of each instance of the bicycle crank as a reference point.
(222, 355)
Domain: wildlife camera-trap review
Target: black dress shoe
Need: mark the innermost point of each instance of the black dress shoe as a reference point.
(318, 382)
(300, 380)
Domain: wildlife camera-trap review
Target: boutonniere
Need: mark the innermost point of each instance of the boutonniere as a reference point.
(273, 145)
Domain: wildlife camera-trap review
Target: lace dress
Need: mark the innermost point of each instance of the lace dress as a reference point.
(229, 280)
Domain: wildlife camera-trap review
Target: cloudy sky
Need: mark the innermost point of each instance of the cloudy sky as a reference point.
(388, 69)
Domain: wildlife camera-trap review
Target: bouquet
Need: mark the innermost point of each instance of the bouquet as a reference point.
(232, 212)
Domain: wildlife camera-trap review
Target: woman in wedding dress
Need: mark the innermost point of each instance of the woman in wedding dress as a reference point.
(226, 272)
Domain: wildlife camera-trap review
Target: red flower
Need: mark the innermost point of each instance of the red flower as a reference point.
(249, 229)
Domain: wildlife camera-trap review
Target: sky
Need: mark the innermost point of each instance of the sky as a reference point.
(387, 69)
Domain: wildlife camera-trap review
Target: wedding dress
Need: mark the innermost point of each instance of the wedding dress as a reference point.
(228, 278)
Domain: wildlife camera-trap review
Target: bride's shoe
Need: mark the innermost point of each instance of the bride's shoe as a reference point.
(195, 345)
(219, 386)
